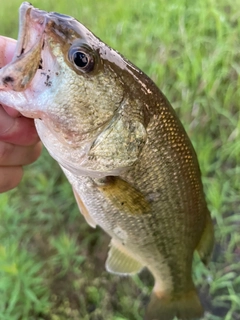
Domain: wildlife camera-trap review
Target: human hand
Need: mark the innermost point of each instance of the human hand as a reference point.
(19, 141)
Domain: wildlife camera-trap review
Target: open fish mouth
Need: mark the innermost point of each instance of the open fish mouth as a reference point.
(34, 25)
(18, 74)
(33, 65)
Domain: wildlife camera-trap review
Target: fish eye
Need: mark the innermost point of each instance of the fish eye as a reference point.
(82, 57)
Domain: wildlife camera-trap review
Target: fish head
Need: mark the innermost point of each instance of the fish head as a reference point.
(77, 89)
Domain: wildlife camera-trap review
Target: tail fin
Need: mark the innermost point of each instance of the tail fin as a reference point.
(185, 307)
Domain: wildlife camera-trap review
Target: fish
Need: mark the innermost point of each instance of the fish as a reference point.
(131, 164)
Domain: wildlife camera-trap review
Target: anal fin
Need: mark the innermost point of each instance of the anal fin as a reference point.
(84, 210)
(120, 261)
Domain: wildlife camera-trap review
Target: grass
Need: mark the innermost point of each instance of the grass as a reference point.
(51, 261)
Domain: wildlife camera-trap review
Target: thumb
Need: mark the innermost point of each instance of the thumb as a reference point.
(6, 123)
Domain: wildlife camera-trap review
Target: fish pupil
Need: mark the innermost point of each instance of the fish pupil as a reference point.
(80, 59)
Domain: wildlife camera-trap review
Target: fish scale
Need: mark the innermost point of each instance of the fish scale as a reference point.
(131, 165)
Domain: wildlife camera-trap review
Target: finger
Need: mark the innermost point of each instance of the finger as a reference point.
(20, 131)
(12, 155)
(11, 112)
(7, 49)
(10, 177)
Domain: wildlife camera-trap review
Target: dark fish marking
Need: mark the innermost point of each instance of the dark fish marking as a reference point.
(8, 79)
(22, 51)
(47, 82)
(40, 64)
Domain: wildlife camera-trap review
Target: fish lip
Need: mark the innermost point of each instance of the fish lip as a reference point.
(23, 30)
(30, 19)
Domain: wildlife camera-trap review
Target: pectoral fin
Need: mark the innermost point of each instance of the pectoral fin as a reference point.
(120, 261)
(84, 210)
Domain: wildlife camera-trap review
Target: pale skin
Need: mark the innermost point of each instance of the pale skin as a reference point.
(19, 141)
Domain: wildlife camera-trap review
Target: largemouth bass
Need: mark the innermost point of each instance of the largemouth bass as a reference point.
(131, 165)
